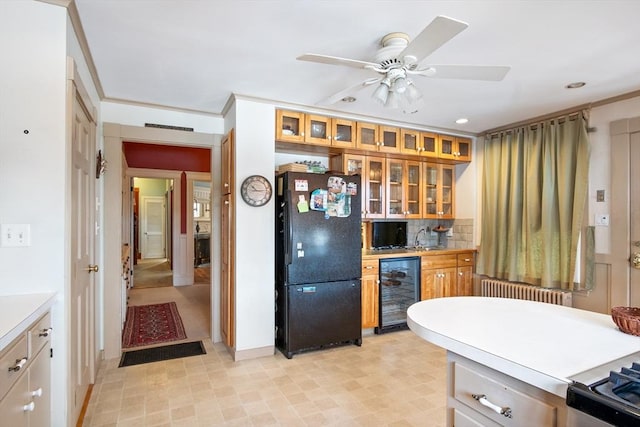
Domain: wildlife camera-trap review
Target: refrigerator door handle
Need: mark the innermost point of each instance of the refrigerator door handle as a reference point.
(287, 225)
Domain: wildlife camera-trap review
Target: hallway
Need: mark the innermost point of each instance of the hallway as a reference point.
(152, 285)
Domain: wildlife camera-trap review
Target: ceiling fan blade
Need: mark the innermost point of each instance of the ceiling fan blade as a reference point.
(437, 33)
(334, 60)
(466, 72)
(348, 91)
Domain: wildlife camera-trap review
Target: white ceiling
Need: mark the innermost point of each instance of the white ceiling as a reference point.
(193, 54)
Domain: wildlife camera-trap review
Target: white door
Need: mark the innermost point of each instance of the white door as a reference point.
(82, 295)
(153, 227)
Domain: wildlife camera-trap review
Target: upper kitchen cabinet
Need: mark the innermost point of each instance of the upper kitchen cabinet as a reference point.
(314, 129)
(455, 148)
(403, 185)
(424, 144)
(439, 191)
(374, 188)
(429, 145)
(329, 131)
(410, 142)
(290, 126)
(343, 133)
(372, 137)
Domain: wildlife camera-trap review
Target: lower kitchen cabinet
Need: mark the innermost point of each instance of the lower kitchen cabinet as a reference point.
(25, 386)
(481, 396)
(370, 293)
(438, 276)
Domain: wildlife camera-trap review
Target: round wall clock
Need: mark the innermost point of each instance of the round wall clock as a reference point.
(256, 190)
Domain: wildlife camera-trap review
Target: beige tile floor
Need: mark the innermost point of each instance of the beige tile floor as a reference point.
(395, 379)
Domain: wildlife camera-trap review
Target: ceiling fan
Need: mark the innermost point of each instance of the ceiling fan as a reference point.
(399, 59)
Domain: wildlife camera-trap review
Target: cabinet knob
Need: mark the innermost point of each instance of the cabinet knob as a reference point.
(369, 267)
(37, 393)
(461, 274)
(30, 407)
(45, 332)
(226, 185)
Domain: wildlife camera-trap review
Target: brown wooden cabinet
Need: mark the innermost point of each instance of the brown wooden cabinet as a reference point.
(373, 137)
(404, 189)
(290, 126)
(447, 275)
(374, 187)
(314, 129)
(466, 264)
(438, 276)
(455, 148)
(370, 284)
(439, 191)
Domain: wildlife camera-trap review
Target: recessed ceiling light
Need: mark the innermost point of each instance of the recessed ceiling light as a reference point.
(575, 85)
(348, 99)
(462, 121)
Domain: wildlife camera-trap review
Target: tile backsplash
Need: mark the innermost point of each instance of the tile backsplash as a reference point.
(462, 233)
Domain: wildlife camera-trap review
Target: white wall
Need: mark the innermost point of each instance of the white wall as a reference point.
(33, 165)
(136, 115)
(255, 146)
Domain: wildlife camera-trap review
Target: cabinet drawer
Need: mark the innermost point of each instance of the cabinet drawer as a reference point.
(465, 259)
(439, 261)
(8, 360)
(39, 335)
(370, 266)
(525, 410)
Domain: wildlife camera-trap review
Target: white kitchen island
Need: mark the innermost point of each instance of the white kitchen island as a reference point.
(520, 355)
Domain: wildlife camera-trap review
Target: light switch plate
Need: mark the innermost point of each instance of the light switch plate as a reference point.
(14, 235)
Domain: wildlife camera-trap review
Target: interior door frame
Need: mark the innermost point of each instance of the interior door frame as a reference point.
(174, 221)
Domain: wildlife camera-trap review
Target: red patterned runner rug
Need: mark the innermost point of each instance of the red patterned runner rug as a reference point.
(152, 324)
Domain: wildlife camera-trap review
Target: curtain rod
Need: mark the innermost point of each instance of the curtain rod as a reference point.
(568, 112)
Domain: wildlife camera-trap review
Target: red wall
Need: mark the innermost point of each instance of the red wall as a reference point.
(169, 157)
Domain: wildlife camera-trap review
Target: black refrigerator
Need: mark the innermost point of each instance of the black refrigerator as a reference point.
(318, 261)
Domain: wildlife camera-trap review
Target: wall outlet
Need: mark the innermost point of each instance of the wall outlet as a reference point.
(450, 232)
(602, 220)
(14, 235)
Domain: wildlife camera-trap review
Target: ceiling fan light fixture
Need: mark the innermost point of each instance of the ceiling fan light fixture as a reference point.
(393, 100)
(381, 94)
(412, 93)
(400, 85)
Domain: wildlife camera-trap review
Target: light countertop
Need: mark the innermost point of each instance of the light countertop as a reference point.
(542, 344)
(17, 312)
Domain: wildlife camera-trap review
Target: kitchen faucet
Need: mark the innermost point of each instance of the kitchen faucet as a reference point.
(422, 230)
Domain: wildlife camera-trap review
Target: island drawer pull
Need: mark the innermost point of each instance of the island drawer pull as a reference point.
(18, 365)
(482, 399)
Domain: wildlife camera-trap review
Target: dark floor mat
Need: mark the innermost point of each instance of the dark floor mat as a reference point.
(166, 352)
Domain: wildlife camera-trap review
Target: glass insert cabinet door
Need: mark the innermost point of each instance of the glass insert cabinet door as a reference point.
(413, 189)
(395, 191)
(374, 174)
(439, 187)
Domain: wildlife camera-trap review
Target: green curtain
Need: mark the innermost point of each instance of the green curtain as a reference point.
(533, 197)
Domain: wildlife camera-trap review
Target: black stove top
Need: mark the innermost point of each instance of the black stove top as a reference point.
(615, 399)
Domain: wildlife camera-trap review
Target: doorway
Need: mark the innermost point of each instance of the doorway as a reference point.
(152, 217)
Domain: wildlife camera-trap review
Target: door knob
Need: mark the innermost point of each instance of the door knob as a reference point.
(635, 260)
(92, 268)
